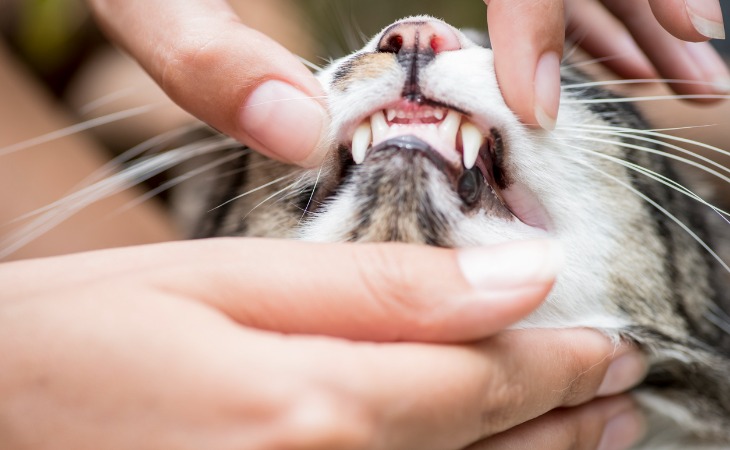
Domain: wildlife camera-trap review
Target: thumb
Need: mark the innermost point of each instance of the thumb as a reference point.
(374, 292)
(230, 76)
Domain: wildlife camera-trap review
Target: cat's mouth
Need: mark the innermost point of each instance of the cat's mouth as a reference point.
(471, 156)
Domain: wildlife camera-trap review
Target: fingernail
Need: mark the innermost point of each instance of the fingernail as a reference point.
(285, 121)
(513, 265)
(623, 430)
(623, 373)
(706, 17)
(547, 90)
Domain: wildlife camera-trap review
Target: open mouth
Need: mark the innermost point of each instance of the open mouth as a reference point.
(473, 158)
(448, 132)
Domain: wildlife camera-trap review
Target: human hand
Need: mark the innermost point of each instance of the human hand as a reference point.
(238, 343)
(528, 38)
(232, 77)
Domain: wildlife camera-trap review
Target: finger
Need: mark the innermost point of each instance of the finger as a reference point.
(612, 423)
(508, 380)
(600, 34)
(528, 68)
(690, 20)
(673, 58)
(378, 292)
(230, 76)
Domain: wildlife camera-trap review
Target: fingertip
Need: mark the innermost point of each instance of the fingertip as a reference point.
(285, 123)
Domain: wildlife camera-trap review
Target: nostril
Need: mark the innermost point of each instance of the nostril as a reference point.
(419, 37)
(393, 44)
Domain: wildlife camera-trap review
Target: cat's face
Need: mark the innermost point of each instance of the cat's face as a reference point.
(423, 149)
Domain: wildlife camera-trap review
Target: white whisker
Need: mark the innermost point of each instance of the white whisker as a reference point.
(645, 99)
(263, 186)
(83, 126)
(672, 184)
(279, 192)
(658, 207)
(636, 81)
(632, 131)
(314, 188)
(69, 205)
(309, 64)
(664, 154)
(182, 178)
(106, 99)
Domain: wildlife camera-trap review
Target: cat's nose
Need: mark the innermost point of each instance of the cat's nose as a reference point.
(419, 37)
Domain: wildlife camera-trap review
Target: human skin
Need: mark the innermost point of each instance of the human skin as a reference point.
(236, 343)
(34, 177)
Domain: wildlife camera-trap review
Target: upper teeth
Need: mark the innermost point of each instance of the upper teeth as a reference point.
(380, 127)
(472, 140)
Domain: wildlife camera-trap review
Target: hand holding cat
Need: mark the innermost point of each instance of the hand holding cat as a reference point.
(242, 343)
(637, 39)
(249, 87)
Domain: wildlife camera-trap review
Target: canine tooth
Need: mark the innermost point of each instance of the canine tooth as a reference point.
(450, 126)
(380, 126)
(391, 114)
(438, 114)
(472, 140)
(361, 141)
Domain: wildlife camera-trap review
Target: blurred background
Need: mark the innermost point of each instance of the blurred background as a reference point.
(57, 52)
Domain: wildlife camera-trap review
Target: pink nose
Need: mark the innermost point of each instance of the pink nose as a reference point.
(419, 37)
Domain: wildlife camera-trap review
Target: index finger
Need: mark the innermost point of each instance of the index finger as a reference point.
(233, 77)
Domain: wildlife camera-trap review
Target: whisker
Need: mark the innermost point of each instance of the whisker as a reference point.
(106, 99)
(636, 81)
(664, 154)
(593, 61)
(182, 178)
(79, 127)
(314, 189)
(263, 186)
(111, 167)
(718, 317)
(657, 206)
(656, 133)
(279, 192)
(645, 99)
(62, 209)
(309, 63)
(656, 177)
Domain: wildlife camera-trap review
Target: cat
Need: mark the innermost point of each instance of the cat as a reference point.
(423, 149)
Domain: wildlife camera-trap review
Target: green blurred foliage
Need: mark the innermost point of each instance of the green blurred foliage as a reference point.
(342, 26)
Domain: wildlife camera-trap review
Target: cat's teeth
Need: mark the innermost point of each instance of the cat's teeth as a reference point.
(391, 114)
(438, 114)
(380, 126)
(361, 141)
(472, 140)
(450, 126)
